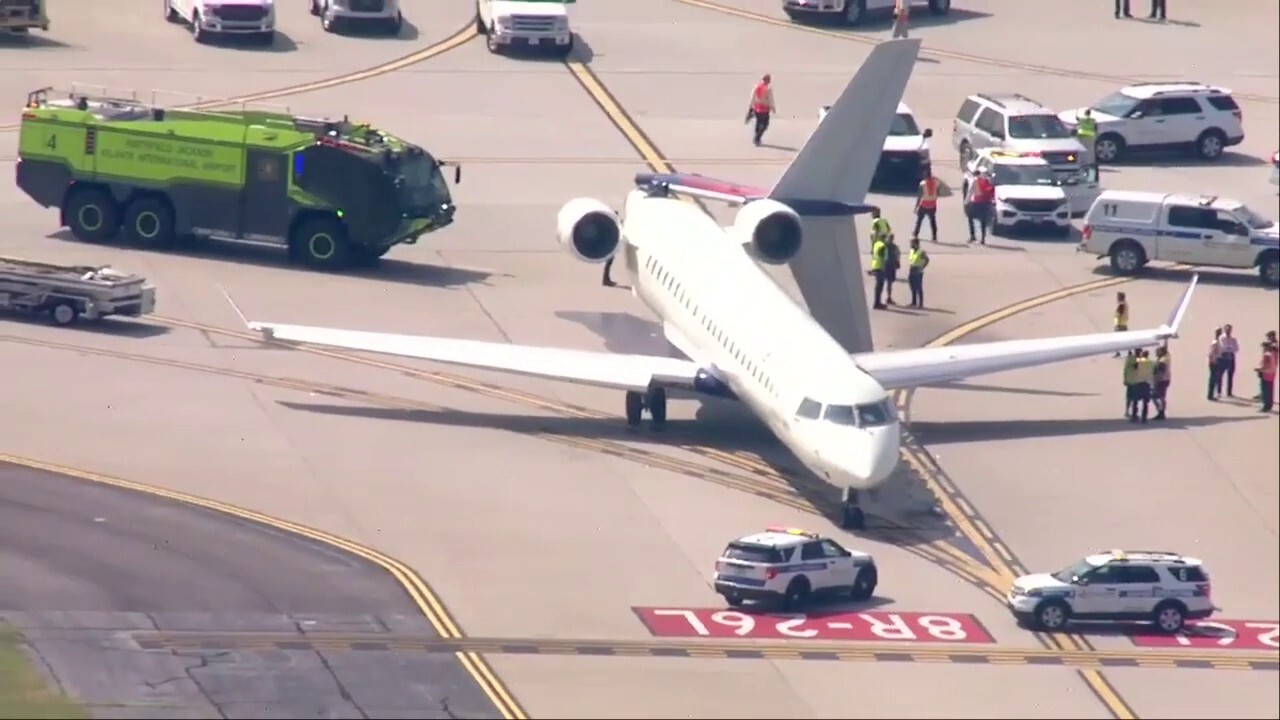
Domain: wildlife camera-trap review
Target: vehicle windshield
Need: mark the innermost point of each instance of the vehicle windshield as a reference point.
(1253, 219)
(421, 186)
(868, 415)
(1074, 571)
(903, 126)
(1024, 127)
(1116, 104)
(1023, 175)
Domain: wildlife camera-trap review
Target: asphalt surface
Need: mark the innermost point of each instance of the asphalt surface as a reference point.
(85, 563)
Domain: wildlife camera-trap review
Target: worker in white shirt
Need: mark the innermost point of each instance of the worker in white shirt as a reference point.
(1228, 348)
(1215, 365)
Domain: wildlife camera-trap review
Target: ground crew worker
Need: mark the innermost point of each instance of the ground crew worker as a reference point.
(761, 107)
(1163, 376)
(1267, 375)
(1270, 339)
(1130, 382)
(1087, 134)
(1215, 365)
(979, 198)
(1228, 348)
(1143, 377)
(901, 14)
(1121, 317)
(927, 206)
(1123, 6)
(879, 253)
(917, 261)
(1157, 10)
(892, 262)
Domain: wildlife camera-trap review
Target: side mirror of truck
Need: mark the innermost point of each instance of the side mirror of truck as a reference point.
(928, 133)
(457, 174)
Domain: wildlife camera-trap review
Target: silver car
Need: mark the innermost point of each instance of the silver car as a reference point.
(1017, 124)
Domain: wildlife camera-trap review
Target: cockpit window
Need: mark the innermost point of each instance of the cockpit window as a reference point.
(840, 415)
(875, 414)
(809, 409)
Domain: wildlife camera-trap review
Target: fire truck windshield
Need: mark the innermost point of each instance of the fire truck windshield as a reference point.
(421, 186)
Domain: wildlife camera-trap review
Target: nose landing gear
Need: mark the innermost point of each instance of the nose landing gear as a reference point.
(655, 401)
(851, 515)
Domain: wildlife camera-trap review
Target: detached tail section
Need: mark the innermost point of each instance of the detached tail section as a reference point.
(827, 183)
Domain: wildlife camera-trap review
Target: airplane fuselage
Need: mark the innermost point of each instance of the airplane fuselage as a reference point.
(722, 309)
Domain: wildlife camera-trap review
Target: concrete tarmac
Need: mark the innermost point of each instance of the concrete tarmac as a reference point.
(85, 564)
(527, 537)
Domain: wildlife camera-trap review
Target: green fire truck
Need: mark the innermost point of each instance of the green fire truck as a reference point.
(333, 192)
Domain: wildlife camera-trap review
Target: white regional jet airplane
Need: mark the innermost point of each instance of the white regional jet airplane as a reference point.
(743, 336)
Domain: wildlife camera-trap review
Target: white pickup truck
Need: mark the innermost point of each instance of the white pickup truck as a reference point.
(19, 16)
(210, 18)
(1132, 229)
(534, 24)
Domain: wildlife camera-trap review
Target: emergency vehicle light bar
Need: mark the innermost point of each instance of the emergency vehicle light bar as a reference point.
(791, 531)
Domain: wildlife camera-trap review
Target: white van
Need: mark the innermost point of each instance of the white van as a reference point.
(1132, 229)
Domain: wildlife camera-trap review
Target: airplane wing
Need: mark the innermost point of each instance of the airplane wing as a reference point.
(625, 372)
(927, 366)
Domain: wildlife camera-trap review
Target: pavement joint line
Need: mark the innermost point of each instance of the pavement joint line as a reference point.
(750, 650)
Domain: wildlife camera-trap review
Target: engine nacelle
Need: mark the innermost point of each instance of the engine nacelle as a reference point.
(588, 229)
(770, 231)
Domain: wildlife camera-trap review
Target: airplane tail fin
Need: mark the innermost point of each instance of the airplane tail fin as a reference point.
(837, 162)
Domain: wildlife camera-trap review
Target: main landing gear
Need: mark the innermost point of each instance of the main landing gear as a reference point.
(654, 400)
(851, 515)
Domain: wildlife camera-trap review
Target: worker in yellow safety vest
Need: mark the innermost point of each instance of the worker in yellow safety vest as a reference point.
(1121, 317)
(927, 206)
(879, 254)
(917, 261)
(1143, 377)
(1130, 382)
(1087, 134)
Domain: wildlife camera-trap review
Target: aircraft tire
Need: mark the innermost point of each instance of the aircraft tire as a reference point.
(635, 407)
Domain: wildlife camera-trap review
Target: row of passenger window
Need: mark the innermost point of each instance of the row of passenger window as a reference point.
(677, 290)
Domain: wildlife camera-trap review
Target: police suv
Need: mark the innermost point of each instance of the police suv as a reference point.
(789, 566)
(1133, 228)
(1164, 588)
(1029, 193)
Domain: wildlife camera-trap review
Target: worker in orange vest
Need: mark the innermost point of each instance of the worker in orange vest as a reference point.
(901, 14)
(927, 205)
(761, 107)
(1267, 375)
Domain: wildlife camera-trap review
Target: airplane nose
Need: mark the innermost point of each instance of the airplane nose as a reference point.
(873, 457)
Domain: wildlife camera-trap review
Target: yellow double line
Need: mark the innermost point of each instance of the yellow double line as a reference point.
(457, 39)
(430, 605)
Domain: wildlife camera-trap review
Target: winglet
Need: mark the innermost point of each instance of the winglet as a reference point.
(267, 332)
(1180, 310)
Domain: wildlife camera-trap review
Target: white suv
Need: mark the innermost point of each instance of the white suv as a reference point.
(789, 566)
(1018, 124)
(1202, 119)
(1163, 588)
